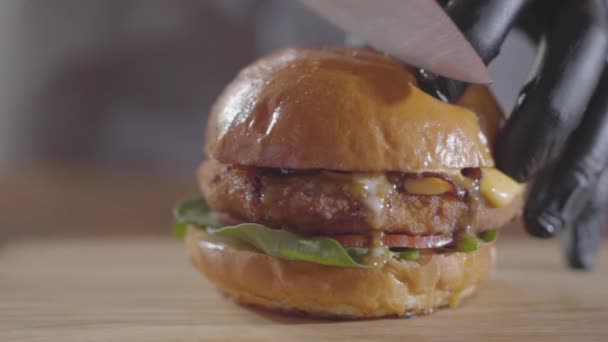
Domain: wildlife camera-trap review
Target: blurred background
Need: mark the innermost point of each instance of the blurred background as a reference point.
(103, 102)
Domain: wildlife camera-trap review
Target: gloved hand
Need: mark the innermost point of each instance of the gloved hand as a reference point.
(558, 130)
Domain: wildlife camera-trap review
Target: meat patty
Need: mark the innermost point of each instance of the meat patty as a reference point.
(321, 203)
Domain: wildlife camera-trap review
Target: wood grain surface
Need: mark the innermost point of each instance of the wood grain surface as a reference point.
(143, 289)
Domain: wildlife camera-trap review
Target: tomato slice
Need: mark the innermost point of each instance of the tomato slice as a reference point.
(395, 240)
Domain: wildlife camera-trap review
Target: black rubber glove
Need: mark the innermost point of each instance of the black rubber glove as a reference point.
(557, 134)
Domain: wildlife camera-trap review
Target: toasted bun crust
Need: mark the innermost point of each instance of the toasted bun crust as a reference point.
(346, 109)
(399, 288)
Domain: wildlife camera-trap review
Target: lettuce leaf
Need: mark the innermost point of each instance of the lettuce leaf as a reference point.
(192, 212)
(275, 242)
(289, 246)
(410, 254)
(489, 236)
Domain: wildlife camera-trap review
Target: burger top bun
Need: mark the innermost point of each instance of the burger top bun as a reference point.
(347, 109)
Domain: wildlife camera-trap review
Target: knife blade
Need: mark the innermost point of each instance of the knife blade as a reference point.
(418, 32)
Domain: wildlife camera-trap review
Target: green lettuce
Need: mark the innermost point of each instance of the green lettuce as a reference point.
(489, 236)
(289, 246)
(410, 254)
(192, 212)
(275, 242)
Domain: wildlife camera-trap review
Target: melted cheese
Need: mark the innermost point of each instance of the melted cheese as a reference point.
(498, 188)
(495, 187)
(374, 192)
(427, 186)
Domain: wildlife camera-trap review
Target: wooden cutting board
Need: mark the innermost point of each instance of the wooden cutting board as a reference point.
(143, 289)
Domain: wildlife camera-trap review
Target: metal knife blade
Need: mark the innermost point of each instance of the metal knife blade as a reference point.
(417, 32)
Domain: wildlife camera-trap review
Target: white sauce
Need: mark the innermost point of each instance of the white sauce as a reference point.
(375, 190)
(377, 252)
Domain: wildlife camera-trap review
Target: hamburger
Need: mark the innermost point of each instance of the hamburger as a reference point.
(336, 187)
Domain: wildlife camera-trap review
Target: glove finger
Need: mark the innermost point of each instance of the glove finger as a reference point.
(582, 239)
(571, 57)
(485, 23)
(558, 199)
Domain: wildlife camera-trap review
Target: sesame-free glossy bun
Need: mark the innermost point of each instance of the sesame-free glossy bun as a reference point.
(397, 289)
(346, 109)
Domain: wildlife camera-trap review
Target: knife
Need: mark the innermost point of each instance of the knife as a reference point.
(418, 32)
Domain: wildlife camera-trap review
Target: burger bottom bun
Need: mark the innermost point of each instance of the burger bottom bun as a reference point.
(399, 288)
